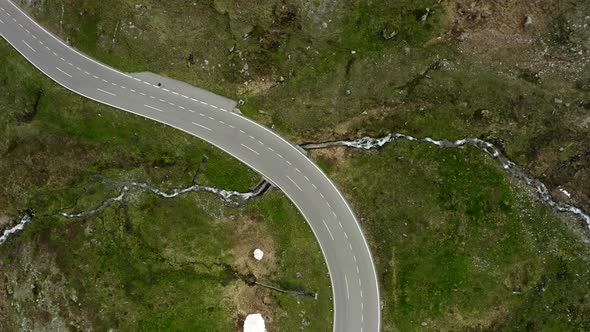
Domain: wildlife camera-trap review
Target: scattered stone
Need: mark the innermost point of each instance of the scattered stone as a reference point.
(389, 35)
(325, 25)
(258, 254)
(353, 52)
(558, 101)
(528, 22)
(424, 324)
(348, 92)
(365, 113)
(407, 51)
(462, 36)
(485, 14)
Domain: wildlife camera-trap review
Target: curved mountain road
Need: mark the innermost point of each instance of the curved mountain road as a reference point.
(209, 117)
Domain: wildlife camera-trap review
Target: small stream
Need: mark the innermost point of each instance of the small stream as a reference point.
(367, 143)
(235, 198)
(228, 197)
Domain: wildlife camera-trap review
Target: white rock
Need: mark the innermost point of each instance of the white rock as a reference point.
(258, 254)
(254, 323)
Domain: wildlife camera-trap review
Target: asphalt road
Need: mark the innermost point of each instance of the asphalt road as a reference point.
(209, 117)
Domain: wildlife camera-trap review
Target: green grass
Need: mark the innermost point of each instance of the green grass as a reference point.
(147, 263)
(459, 246)
(477, 253)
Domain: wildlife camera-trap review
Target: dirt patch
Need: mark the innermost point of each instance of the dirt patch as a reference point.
(248, 300)
(501, 29)
(5, 222)
(250, 234)
(257, 87)
(333, 156)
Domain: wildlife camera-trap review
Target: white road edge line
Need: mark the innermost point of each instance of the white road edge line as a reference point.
(108, 93)
(63, 72)
(249, 148)
(198, 125)
(152, 107)
(295, 183)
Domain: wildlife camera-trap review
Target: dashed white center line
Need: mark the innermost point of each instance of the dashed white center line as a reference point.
(232, 127)
(191, 111)
(1, 21)
(63, 72)
(198, 125)
(295, 183)
(87, 73)
(249, 148)
(157, 109)
(314, 186)
(288, 162)
(165, 89)
(29, 46)
(137, 79)
(332, 236)
(347, 291)
(108, 93)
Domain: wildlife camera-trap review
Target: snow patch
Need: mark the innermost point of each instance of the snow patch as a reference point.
(258, 254)
(18, 227)
(254, 323)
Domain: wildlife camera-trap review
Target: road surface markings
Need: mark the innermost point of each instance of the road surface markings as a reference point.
(191, 111)
(29, 46)
(54, 53)
(345, 235)
(295, 183)
(288, 162)
(198, 125)
(347, 291)
(1, 21)
(87, 73)
(314, 186)
(105, 81)
(63, 72)
(171, 104)
(95, 76)
(241, 131)
(108, 93)
(162, 100)
(251, 137)
(182, 107)
(165, 89)
(157, 109)
(20, 25)
(297, 169)
(137, 79)
(232, 127)
(141, 93)
(332, 236)
(211, 118)
(221, 122)
(249, 148)
(271, 149)
(175, 93)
